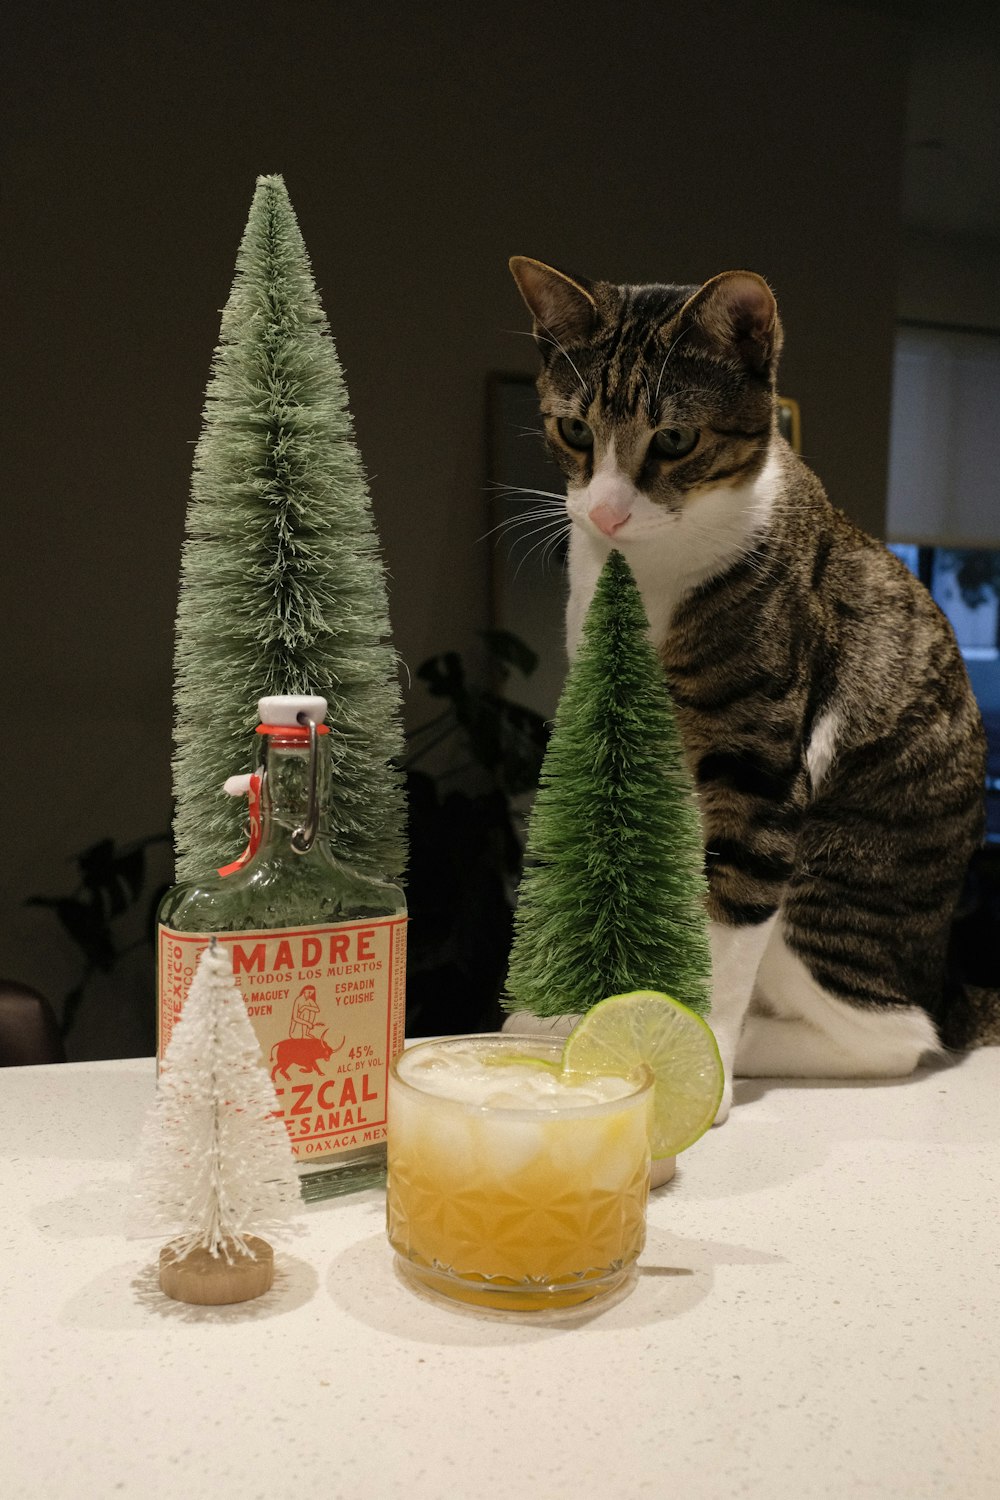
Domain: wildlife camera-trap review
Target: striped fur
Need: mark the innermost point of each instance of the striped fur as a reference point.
(826, 712)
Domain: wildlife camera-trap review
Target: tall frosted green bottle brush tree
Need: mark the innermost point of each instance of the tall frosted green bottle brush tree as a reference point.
(282, 583)
(612, 898)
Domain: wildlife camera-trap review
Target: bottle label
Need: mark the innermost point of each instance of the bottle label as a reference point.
(327, 1005)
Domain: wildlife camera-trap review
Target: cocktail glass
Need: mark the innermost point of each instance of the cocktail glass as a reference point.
(509, 1186)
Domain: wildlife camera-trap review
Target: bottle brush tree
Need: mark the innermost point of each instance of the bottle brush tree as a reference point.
(215, 1163)
(612, 897)
(282, 582)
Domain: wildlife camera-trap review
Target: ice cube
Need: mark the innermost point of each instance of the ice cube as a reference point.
(506, 1145)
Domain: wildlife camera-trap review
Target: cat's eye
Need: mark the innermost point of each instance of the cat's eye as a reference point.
(674, 442)
(575, 433)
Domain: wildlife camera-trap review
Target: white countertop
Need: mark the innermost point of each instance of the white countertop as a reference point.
(816, 1315)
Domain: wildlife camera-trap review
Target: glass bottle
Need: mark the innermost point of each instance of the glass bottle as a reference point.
(319, 954)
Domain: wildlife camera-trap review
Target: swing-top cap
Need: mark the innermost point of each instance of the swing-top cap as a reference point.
(279, 715)
(284, 709)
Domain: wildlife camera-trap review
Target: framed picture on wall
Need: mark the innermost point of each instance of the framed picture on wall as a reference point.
(790, 423)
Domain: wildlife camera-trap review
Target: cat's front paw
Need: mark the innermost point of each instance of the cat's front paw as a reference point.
(726, 1104)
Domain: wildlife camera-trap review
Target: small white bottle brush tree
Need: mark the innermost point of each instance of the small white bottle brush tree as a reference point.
(215, 1161)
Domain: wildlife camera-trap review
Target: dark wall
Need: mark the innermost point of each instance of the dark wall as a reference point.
(422, 145)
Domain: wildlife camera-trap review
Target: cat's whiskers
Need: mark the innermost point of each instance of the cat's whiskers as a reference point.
(551, 512)
(548, 518)
(666, 359)
(511, 492)
(551, 339)
(512, 523)
(549, 550)
(550, 538)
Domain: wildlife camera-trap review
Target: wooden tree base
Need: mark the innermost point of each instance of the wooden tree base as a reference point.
(212, 1280)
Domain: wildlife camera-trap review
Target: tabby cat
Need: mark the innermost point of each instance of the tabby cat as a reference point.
(825, 710)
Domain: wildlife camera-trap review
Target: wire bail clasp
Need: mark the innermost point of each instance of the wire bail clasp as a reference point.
(303, 838)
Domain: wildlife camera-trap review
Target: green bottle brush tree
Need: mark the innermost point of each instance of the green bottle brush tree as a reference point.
(612, 897)
(282, 582)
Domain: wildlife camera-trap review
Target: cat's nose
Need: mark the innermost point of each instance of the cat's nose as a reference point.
(608, 517)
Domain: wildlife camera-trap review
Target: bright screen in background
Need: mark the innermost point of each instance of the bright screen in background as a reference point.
(965, 583)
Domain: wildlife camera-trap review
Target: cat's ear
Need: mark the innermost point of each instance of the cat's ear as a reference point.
(560, 304)
(737, 312)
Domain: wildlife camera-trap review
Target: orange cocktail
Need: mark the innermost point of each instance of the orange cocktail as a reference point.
(511, 1185)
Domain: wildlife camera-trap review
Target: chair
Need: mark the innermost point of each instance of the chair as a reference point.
(28, 1029)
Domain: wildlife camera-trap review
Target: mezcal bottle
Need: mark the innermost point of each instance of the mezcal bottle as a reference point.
(319, 954)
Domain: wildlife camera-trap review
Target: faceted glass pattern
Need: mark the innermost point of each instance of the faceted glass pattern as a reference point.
(512, 1207)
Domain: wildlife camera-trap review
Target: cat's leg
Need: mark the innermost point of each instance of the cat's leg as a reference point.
(736, 956)
(854, 974)
(810, 1033)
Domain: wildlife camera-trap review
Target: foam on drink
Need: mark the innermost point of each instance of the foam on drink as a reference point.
(502, 1081)
(510, 1183)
